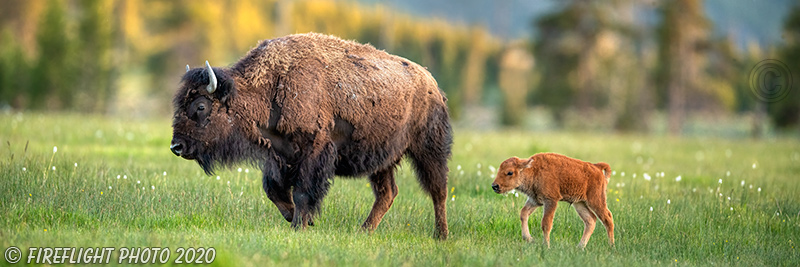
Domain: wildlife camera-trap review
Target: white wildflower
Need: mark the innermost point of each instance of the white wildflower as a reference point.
(138, 182)
(651, 208)
(76, 164)
(109, 187)
(759, 189)
(246, 170)
(125, 177)
(164, 174)
(678, 179)
(153, 187)
(24, 169)
(458, 167)
(720, 181)
(754, 165)
(742, 183)
(239, 170)
(217, 177)
(55, 149)
(622, 174)
(728, 173)
(54, 168)
(646, 176)
(669, 202)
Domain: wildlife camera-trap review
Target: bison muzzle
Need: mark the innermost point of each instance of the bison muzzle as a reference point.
(307, 107)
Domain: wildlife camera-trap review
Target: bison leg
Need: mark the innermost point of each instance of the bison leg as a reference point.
(429, 157)
(280, 196)
(385, 191)
(432, 176)
(311, 185)
(277, 189)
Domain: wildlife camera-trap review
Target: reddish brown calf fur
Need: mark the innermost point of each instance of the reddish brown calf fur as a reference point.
(548, 178)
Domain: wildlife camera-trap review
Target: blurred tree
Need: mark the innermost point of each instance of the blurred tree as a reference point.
(516, 64)
(474, 71)
(785, 113)
(95, 74)
(53, 74)
(14, 72)
(682, 36)
(587, 55)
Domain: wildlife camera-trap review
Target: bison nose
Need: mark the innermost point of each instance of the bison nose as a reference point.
(496, 187)
(176, 147)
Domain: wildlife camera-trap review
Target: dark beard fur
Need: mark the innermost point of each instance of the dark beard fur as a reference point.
(229, 152)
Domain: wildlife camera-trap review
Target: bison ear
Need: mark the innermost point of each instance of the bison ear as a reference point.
(527, 164)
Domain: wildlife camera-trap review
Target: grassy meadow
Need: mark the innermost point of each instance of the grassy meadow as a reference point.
(92, 181)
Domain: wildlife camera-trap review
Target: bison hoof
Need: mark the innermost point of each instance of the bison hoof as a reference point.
(441, 235)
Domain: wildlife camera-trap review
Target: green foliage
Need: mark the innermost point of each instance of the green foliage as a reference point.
(53, 74)
(786, 113)
(705, 222)
(14, 71)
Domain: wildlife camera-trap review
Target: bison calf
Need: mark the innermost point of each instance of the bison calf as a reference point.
(548, 178)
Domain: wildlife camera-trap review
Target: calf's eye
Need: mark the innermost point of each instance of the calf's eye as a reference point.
(510, 173)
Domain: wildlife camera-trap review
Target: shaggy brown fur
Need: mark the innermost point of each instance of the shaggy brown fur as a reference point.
(548, 178)
(307, 107)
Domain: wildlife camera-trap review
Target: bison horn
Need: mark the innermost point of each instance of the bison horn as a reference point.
(187, 68)
(212, 79)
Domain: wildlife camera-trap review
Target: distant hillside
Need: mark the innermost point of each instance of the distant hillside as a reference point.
(746, 20)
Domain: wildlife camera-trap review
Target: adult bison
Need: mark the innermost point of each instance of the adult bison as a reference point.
(307, 107)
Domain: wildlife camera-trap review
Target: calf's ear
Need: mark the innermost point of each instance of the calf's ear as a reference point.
(528, 163)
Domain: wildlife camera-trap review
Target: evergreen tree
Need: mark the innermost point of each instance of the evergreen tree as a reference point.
(52, 78)
(681, 36)
(785, 113)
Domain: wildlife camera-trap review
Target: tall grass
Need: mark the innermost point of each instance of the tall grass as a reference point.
(116, 184)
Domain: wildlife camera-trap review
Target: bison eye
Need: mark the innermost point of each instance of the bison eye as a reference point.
(510, 173)
(198, 110)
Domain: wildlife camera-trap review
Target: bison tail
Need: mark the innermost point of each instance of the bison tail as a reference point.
(605, 168)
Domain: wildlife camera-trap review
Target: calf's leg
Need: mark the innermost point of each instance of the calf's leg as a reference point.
(600, 208)
(547, 219)
(588, 222)
(526, 211)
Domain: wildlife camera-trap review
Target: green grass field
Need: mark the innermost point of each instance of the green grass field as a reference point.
(116, 184)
